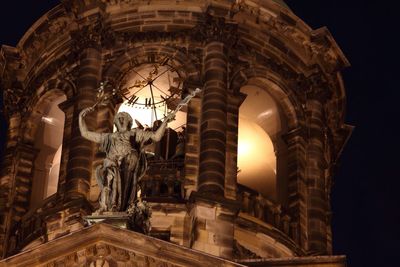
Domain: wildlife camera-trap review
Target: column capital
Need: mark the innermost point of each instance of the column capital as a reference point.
(94, 35)
(216, 29)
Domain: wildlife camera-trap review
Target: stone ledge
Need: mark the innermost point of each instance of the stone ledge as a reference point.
(320, 261)
(139, 244)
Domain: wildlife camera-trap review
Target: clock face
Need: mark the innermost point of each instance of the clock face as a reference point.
(151, 90)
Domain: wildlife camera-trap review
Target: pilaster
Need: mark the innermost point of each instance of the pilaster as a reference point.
(15, 189)
(81, 151)
(213, 121)
(232, 133)
(297, 188)
(317, 202)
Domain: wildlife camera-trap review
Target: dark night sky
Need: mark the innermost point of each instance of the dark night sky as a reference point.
(365, 200)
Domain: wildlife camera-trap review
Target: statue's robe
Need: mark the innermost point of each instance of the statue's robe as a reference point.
(126, 162)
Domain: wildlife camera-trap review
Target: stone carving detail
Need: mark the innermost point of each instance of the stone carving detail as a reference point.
(105, 255)
(14, 99)
(139, 217)
(215, 29)
(326, 53)
(96, 34)
(208, 29)
(39, 41)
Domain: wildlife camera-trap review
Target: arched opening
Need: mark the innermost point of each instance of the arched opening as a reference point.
(259, 126)
(48, 141)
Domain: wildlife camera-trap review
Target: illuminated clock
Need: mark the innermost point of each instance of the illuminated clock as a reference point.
(154, 86)
(151, 89)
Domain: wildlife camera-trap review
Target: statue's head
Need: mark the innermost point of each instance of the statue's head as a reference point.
(123, 121)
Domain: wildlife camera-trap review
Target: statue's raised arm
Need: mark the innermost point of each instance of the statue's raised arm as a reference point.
(157, 135)
(92, 136)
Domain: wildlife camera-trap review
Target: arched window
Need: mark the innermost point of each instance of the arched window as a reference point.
(259, 124)
(48, 141)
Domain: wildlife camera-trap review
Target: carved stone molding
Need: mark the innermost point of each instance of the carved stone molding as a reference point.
(105, 245)
(212, 28)
(102, 254)
(39, 41)
(95, 34)
(77, 6)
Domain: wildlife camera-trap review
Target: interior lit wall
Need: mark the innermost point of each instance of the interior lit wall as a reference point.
(48, 141)
(259, 123)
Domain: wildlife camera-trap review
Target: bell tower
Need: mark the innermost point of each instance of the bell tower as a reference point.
(242, 176)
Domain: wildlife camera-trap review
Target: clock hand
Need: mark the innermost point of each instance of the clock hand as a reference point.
(159, 89)
(147, 83)
(154, 105)
(162, 73)
(139, 74)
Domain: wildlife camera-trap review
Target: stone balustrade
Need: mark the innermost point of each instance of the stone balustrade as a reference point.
(258, 206)
(163, 181)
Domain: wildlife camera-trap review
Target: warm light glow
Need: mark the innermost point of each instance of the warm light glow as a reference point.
(265, 115)
(258, 121)
(256, 157)
(48, 120)
(147, 115)
(53, 174)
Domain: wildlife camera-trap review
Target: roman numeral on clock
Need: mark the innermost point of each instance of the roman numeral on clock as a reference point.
(132, 100)
(148, 102)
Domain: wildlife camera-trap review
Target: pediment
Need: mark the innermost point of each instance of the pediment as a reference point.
(108, 246)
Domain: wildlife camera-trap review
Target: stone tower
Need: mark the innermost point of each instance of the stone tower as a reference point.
(244, 178)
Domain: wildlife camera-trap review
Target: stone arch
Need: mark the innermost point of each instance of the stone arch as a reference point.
(45, 94)
(48, 97)
(280, 91)
(121, 65)
(290, 115)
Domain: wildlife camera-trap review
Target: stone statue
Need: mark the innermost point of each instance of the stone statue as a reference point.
(125, 162)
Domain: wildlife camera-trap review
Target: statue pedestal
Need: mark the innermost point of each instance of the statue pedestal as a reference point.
(119, 219)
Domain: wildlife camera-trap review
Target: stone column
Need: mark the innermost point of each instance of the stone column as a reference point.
(213, 121)
(297, 188)
(68, 108)
(16, 183)
(7, 176)
(81, 150)
(232, 134)
(214, 206)
(315, 172)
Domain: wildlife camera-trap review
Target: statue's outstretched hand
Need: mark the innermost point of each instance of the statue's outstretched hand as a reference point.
(170, 117)
(85, 111)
